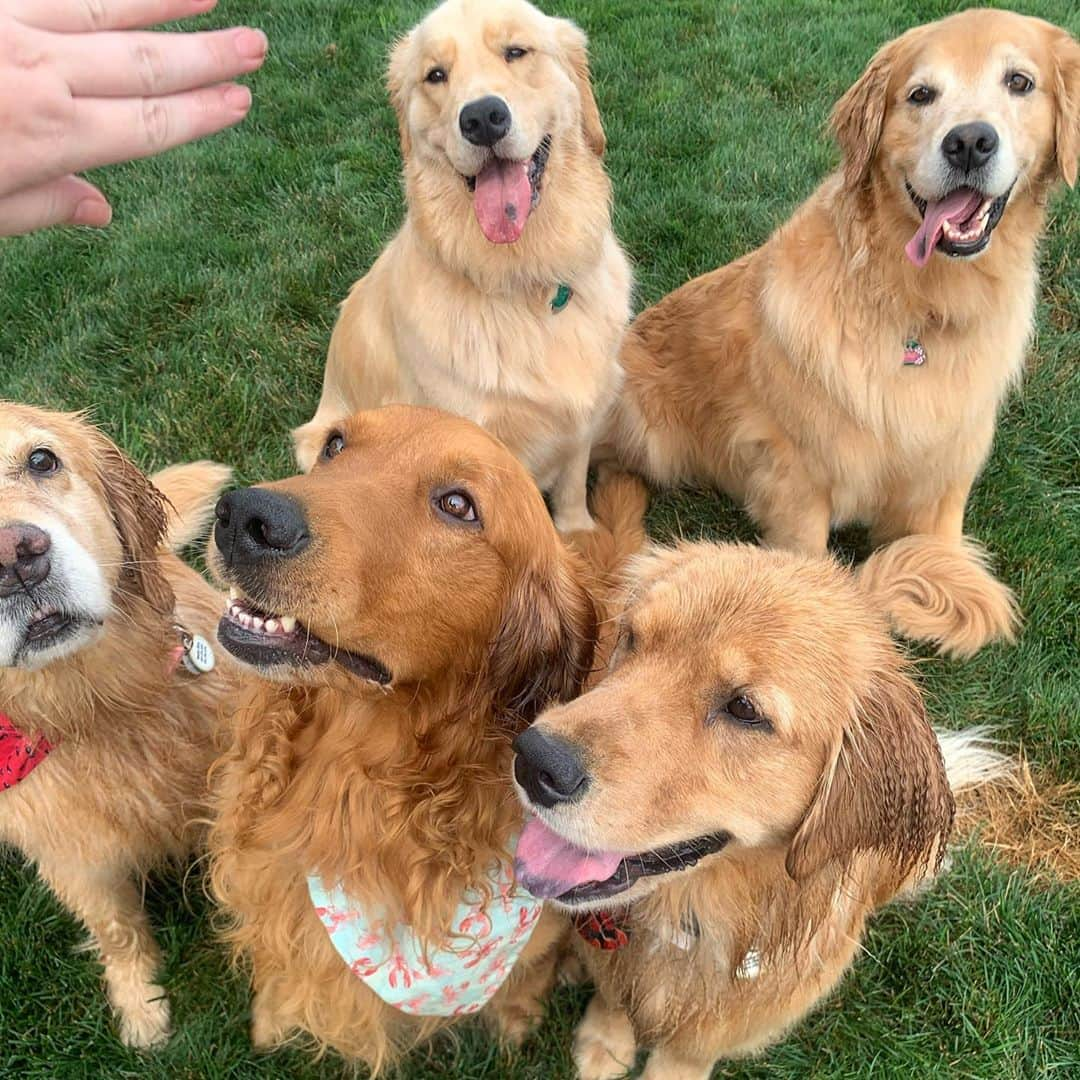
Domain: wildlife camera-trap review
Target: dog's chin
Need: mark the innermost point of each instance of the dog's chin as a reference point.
(283, 649)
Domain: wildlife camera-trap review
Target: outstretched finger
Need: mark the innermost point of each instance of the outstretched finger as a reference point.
(152, 65)
(108, 130)
(87, 15)
(67, 201)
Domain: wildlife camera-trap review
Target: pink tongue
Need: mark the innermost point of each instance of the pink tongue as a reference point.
(547, 865)
(957, 207)
(503, 199)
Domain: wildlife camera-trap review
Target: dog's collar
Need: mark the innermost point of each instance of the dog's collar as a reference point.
(19, 755)
(563, 295)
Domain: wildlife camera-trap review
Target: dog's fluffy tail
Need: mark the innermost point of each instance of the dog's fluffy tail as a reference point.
(971, 759)
(619, 502)
(941, 591)
(192, 491)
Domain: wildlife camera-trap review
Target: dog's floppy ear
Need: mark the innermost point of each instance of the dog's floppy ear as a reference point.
(543, 652)
(883, 789)
(574, 47)
(139, 513)
(858, 118)
(397, 77)
(1067, 93)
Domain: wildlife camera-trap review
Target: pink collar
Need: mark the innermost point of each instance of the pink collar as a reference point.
(19, 756)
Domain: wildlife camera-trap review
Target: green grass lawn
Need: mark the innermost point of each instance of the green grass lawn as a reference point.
(197, 326)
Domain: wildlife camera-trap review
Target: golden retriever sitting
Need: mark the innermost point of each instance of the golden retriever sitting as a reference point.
(105, 730)
(752, 778)
(853, 367)
(413, 608)
(504, 296)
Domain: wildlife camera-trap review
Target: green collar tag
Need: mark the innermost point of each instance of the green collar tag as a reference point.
(561, 298)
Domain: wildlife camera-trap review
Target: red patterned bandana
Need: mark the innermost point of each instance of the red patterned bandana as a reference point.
(601, 930)
(19, 756)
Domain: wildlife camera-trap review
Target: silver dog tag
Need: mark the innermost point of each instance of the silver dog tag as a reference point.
(198, 656)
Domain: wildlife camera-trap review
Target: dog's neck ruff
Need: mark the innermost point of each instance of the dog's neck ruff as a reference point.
(454, 978)
(19, 755)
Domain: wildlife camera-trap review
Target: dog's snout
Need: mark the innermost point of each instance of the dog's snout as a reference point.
(968, 146)
(254, 524)
(549, 768)
(485, 121)
(24, 557)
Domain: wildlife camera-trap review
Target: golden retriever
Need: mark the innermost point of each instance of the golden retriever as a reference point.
(751, 779)
(103, 728)
(852, 368)
(412, 608)
(504, 296)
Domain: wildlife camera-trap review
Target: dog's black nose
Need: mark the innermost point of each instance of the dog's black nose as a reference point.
(549, 768)
(254, 524)
(485, 121)
(968, 146)
(24, 557)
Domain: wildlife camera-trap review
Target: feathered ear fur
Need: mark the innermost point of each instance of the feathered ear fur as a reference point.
(544, 650)
(396, 83)
(883, 789)
(858, 118)
(139, 513)
(575, 57)
(1067, 94)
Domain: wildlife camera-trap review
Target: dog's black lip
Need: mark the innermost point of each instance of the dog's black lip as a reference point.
(537, 165)
(50, 629)
(948, 247)
(302, 650)
(666, 860)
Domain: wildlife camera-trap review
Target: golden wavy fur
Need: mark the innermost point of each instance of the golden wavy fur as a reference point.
(754, 694)
(779, 378)
(401, 791)
(132, 740)
(446, 317)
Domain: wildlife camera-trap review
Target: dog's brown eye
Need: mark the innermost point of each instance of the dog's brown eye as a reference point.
(1019, 83)
(334, 445)
(457, 506)
(42, 462)
(515, 52)
(921, 95)
(742, 708)
(436, 75)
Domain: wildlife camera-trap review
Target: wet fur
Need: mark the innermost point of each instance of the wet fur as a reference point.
(778, 377)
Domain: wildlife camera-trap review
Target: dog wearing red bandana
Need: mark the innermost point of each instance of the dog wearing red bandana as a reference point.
(108, 688)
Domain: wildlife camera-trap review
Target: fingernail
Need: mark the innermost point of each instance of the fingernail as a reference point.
(238, 98)
(250, 44)
(94, 212)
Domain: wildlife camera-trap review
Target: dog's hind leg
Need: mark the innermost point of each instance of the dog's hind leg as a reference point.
(108, 903)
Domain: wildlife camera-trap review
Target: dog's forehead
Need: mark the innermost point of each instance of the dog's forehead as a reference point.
(970, 46)
(468, 21)
(19, 433)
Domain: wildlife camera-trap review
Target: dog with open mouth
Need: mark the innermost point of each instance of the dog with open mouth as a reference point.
(109, 687)
(411, 608)
(751, 779)
(851, 369)
(504, 295)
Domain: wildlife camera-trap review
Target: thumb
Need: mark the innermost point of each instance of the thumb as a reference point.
(67, 201)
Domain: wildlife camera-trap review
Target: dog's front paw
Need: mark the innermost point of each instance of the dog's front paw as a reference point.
(145, 1023)
(604, 1045)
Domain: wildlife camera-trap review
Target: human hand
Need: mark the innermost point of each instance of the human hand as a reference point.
(81, 86)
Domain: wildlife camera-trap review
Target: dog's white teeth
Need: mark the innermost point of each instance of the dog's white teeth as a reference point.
(258, 623)
(272, 626)
(244, 617)
(288, 624)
